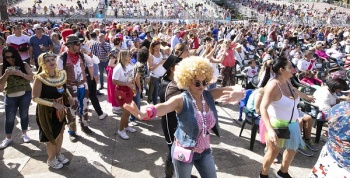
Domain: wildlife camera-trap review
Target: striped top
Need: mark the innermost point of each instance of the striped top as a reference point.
(204, 142)
(101, 51)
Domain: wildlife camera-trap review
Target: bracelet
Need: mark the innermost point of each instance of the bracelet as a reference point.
(43, 102)
(149, 114)
(154, 111)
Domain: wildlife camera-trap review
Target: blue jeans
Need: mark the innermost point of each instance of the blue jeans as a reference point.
(204, 163)
(81, 96)
(137, 100)
(153, 90)
(11, 105)
(102, 67)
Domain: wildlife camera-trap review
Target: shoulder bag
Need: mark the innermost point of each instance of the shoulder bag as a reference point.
(283, 132)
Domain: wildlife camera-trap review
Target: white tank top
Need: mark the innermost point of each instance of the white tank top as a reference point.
(282, 108)
(159, 71)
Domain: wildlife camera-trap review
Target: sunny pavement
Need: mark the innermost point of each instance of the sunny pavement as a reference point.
(105, 154)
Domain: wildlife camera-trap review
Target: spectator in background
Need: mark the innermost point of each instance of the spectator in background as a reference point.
(101, 49)
(2, 46)
(175, 39)
(39, 43)
(20, 43)
(149, 35)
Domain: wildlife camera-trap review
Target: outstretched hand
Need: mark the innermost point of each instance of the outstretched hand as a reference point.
(134, 110)
(234, 96)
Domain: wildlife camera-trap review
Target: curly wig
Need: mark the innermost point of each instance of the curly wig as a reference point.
(190, 68)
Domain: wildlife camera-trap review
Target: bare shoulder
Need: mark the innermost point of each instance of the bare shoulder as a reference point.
(272, 89)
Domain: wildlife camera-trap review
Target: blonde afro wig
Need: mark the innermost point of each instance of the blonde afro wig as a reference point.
(190, 68)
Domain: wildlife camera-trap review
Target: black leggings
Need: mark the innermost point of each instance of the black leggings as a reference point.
(169, 125)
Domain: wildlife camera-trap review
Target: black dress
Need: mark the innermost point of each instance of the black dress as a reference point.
(48, 92)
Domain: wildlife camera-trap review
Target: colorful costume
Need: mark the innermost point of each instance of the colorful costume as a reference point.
(75, 67)
(49, 120)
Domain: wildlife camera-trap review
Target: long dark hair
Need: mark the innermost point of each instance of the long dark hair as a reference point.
(277, 64)
(18, 60)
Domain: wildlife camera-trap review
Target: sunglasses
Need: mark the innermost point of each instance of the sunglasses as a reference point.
(9, 57)
(198, 83)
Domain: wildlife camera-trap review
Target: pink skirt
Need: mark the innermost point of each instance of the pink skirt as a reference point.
(262, 131)
(110, 87)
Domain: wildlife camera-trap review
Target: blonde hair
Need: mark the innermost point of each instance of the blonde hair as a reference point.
(190, 68)
(265, 65)
(124, 53)
(42, 65)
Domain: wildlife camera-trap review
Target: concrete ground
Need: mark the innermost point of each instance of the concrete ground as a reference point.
(105, 154)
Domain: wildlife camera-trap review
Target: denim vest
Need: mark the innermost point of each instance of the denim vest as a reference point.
(187, 129)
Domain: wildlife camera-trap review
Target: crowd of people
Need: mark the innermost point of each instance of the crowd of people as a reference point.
(126, 9)
(52, 10)
(299, 12)
(189, 67)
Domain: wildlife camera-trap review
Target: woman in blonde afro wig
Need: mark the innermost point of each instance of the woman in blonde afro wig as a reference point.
(190, 68)
(195, 113)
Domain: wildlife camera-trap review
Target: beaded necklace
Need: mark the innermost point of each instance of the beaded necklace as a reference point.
(203, 114)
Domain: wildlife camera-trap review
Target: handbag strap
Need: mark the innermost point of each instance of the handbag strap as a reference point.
(291, 117)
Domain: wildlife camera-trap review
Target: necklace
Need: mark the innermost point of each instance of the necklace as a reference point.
(203, 114)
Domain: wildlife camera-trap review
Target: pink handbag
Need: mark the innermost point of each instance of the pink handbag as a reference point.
(182, 154)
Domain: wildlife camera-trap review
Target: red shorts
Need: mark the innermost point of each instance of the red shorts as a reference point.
(123, 94)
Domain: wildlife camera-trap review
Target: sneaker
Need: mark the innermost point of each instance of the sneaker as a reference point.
(98, 93)
(116, 111)
(123, 134)
(280, 174)
(5, 143)
(263, 176)
(130, 129)
(62, 159)
(133, 123)
(86, 129)
(311, 145)
(55, 164)
(25, 138)
(101, 88)
(73, 137)
(102, 116)
(305, 152)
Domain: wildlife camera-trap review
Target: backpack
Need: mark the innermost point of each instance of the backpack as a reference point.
(64, 60)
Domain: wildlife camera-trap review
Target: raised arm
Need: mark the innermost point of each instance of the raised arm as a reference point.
(173, 104)
(232, 94)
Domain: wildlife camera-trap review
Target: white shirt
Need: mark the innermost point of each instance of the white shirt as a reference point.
(324, 99)
(334, 53)
(330, 36)
(122, 75)
(239, 56)
(303, 65)
(250, 72)
(267, 57)
(13, 39)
